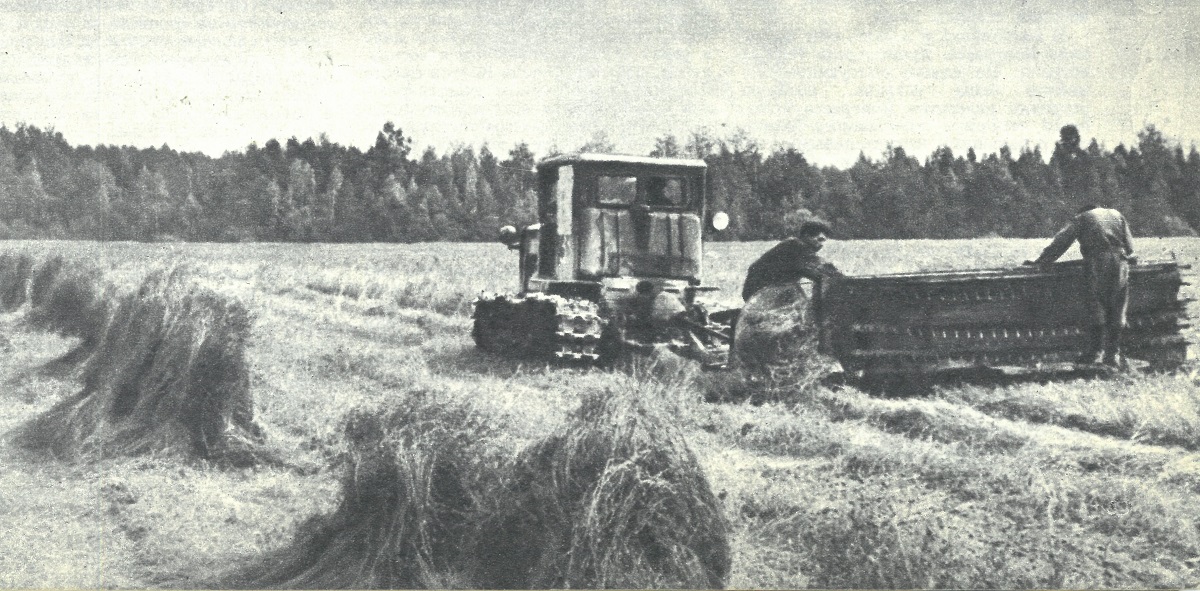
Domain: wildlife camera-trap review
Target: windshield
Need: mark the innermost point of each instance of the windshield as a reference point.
(616, 190)
(655, 191)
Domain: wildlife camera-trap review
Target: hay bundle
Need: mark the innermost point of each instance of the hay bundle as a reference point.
(70, 299)
(169, 373)
(776, 326)
(409, 497)
(15, 270)
(42, 280)
(615, 499)
(433, 498)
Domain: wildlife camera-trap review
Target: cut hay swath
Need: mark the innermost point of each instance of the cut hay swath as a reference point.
(408, 503)
(433, 499)
(614, 499)
(168, 373)
(71, 299)
(15, 271)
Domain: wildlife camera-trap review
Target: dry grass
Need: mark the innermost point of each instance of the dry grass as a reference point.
(615, 499)
(15, 271)
(71, 299)
(408, 497)
(168, 372)
(432, 498)
(1158, 409)
(1063, 484)
(416, 290)
(925, 493)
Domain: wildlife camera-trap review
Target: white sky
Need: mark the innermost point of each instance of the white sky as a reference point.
(830, 78)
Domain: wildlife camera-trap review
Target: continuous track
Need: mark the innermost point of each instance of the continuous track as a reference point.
(539, 326)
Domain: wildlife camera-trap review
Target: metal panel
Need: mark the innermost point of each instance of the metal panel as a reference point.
(564, 266)
(924, 322)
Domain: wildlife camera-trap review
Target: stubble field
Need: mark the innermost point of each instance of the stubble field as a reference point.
(1072, 483)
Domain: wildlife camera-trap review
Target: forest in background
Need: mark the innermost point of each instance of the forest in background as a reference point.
(322, 191)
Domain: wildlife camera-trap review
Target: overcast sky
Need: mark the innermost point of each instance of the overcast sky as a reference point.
(831, 78)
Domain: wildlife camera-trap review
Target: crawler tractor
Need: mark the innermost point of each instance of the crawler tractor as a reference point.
(613, 265)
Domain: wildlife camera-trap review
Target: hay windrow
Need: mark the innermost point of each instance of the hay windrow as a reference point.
(614, 499)
(15, 272)
(413, 473)
(168, 371)
(434, 496)
(70, 299)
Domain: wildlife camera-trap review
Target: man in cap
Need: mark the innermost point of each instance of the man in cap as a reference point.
(1067, 150)
(1072, 163)
(1107, 247)
(790, 260)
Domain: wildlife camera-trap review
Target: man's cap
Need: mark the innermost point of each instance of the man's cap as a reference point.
(812, 227)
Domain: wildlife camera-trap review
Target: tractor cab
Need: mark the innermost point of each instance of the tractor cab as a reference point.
(622, 233)
(609, 222)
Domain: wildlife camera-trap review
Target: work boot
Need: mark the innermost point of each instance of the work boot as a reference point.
(1112, 348)
(1095, 344)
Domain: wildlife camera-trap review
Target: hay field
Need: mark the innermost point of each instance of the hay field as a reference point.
(1072, 483)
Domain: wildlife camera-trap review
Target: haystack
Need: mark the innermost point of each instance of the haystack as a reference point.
(614, 499)
(412, 477)
(70, 299)
(435, 496)
(15, 271)
(44, 277)
(168, 373)
(776, 326)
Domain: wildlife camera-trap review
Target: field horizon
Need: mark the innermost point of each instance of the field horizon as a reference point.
(1073, 481)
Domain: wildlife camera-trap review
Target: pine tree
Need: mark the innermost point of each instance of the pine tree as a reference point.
(666, 147)
(599, 144)
(324, 207)
(155, 201)
(1152, 210)
(280, 210)
(10, 210)
(31, 196)
(299, 199)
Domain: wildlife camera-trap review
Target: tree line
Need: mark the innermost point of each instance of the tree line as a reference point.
(321, 191)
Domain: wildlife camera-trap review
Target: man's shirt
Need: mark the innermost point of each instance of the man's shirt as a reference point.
(1099, 230)
(790, 260)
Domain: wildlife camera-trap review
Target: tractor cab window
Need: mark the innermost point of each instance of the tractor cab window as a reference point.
(665, 192)
(654, 191)
(616, 190)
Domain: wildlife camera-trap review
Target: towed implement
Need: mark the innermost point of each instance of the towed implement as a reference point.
(1032, 318)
